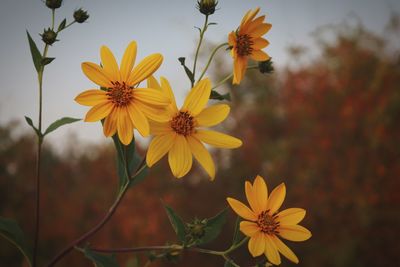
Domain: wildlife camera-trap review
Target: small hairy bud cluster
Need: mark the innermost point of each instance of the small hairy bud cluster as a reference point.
(53, 4)
(207, 7)
(81, 15)
(49, 36)
(266, 66)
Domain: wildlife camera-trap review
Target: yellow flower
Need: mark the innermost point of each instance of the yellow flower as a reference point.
(180, 136)
(120, 102)
(264, 223)
(247, 42)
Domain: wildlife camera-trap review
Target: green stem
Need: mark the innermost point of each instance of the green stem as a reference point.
(228, 77)
(210, 59)
(236, 246)
(66, 26)
(203, 30)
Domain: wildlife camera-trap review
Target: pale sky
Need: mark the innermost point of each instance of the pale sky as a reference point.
(160, 26)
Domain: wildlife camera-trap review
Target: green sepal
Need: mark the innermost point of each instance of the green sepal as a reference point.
(217, 96)
(177, 224)
(59, 123)
(47, 60)
(30, 123)
(101, 260)
(36, 56)
(10, 230)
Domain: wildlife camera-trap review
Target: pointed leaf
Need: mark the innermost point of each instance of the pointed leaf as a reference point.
(62, 25)
(10, 230)
(187, 71)
(213, 227)
(59, 123)
(47, 60)
(217, 96)
(177, 223)
(36, 56)
(30, 123)
(237, 234)
(101, 260)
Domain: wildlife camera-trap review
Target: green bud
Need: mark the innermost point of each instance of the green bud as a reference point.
(53, 4)
(196, 229)
(49, 36)
(80, 15)
(207, 7)
(266, 66)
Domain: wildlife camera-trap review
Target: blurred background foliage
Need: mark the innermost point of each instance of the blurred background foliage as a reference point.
(328, 128)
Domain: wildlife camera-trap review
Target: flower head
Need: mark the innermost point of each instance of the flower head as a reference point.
(80, 15)
(120, 102)
(264, 224)
(207, 7)
(247, 42)
(182, 136)
(49, 36)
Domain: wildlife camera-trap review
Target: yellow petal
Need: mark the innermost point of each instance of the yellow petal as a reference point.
(239, 69)
(259, 43)
(261, 29)
(158, 147)
(124, 126)
(276, 198)
(198, 97)
(96, 74)
(180, 157)
(213, 115)
(291, 216)
(202, 155)
(153, 113)
(271, 251)
(109, 63)
(294, 232)
(249, 16)
(259, 55)
(217, 139)
(251, 197)
(166, 88)
(91, 97)
(241, 209)
(145, 68)
(252, 25)
(153, 83)
(249, 228)
(232, 38)
(128, 60)
(257, 244)
(139, 120)
(160, 128)
(110, 123)
(261, 192)
(98, 112)
(150, 96)
(285, 250)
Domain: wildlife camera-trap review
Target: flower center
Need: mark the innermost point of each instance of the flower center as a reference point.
(120, 94)
(267, 223)
(183, 123)
(244, 44)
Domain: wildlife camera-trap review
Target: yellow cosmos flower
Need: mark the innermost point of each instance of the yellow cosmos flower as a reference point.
(120, 102)
(247, 42)
(265, 224)
(182, 136)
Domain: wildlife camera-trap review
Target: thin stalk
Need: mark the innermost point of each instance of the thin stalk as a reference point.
(228, 77)
(210, 59)
(198, 47)
(236, 246)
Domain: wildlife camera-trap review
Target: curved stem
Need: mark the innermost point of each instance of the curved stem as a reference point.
(210, 59)
(198, 48)
(99, 225)
(228, 77)
(236, 246)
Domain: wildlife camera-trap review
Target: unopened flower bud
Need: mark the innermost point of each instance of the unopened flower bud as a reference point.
(266, 66)
(207, 7)
(80, 15)
(53, 4)
(49, 36)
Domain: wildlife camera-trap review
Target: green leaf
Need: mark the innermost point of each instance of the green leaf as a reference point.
(213, 227)
(36, 56)
(30, 122)
(10, 230)
(237, 234)
(188, 72)
(101, 260)
(177, 223)
(47, 60)
(62, 25)
(59, 123)
(217, 96)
